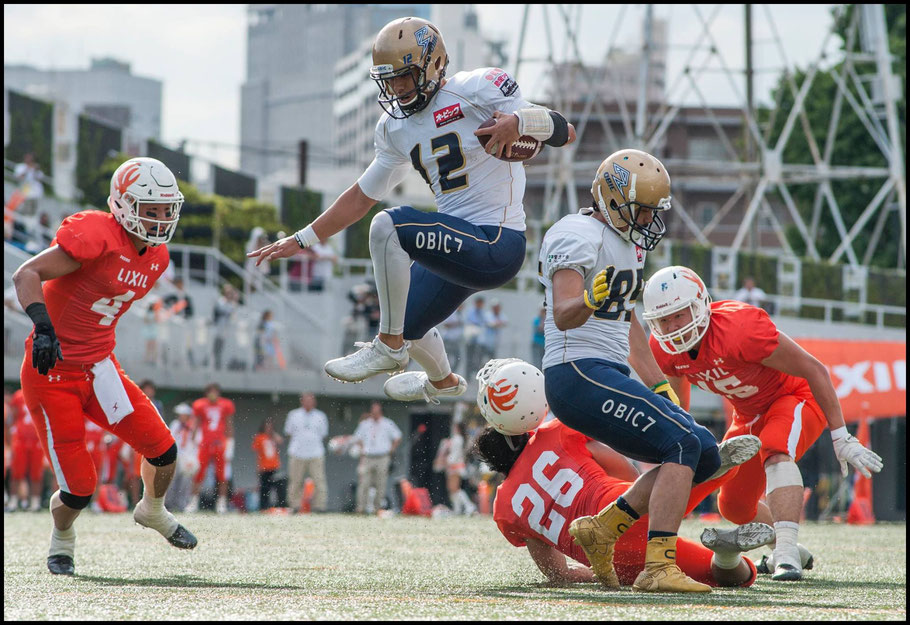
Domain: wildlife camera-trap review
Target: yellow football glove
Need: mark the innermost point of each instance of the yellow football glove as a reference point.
(600, 288)
(663, 388)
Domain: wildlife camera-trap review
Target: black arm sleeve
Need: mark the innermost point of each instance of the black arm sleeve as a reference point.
(560, 130)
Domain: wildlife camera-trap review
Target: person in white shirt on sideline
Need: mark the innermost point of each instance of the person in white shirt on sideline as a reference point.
(377, 437)
(306, 428)
(188, 437)
(750, 293)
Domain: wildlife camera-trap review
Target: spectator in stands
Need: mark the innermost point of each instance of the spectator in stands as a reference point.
(178, 307)
(494, 323)
(451, 459)
(475, 323)
(255, 275)
(453, 339)
(268, 349)
(306, 428)
(152, 319)
(30, 177)
(377, 438)
(750, 293)
(222, 316)
(188, 437)
(322, 263)
(268, 461)
(537, 341)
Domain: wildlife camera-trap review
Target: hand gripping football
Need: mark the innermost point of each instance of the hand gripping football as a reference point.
(523, 149)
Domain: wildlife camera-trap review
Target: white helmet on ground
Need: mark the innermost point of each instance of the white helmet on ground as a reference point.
(511, 397)
(671, 290)
(140, 181)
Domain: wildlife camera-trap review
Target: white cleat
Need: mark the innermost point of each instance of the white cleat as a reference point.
(743, 538)
(372, 358)
(735, 451)
(416, 386)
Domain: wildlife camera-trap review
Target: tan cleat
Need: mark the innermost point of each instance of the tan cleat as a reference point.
(597, 541)
(666, 577)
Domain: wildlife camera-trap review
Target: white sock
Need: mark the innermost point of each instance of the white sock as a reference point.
(63, 542)
(726, 559)
(14, 501)
(786, 550)
(36, 501)
(157, 515)
(392, 270)
(466, 503)
(152, 505)
(430, 353)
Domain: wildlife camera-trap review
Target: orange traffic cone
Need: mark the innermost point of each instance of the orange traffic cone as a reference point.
(860, 510)
(309, 487)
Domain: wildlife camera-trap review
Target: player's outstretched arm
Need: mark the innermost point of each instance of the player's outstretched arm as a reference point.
(612, 462)
(792, 359)
(569, 308)
(349, 208)
(554, 565)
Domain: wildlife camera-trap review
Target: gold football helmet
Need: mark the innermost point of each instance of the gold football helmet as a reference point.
(409, 46)
(626, 182)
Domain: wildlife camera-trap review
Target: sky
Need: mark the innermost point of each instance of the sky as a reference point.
(199, 51)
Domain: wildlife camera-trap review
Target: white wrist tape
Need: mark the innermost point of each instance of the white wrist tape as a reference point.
(782, 474)
(535, 122)
(839, 433)
(306, 237)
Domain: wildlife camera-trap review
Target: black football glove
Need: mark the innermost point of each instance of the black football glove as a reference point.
(45, 346)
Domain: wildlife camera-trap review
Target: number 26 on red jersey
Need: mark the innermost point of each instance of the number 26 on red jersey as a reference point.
(554, 488)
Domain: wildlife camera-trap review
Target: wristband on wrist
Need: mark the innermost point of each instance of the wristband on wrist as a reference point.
(37, 312)
(535, 122)
(658, 385)
(839, 433)
(306, 237)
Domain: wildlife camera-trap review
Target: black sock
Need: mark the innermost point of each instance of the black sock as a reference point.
(623, 505)
(660, 534)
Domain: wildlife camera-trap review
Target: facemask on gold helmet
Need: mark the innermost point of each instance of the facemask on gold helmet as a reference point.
(627, 182)
(408, 47)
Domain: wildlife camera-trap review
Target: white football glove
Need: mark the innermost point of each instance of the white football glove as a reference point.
(848, 449)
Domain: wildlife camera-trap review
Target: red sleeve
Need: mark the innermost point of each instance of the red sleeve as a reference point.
(229, 408)
(514, 537)
(197, 409)
(758, 336)
(83, 236)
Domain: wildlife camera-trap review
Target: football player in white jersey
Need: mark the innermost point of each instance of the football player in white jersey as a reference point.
(476, 239)
(591, 265)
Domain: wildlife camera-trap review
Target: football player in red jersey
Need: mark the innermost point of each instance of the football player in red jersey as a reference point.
(97, 265)
(780, 393)
(28, 463)
(216, 421)
(555, 475)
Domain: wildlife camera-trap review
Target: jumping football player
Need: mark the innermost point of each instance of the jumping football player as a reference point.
(216, 422)
(427, 264)
(555, 475)
(780, 393)
(97, 265)
(591, 265)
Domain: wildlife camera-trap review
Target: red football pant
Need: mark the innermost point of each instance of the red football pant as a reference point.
(212, 451)
(693, 558)
(61, 402)
(28, 461)
(790, 426)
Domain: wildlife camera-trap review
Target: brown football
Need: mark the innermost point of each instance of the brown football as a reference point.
(523, 149)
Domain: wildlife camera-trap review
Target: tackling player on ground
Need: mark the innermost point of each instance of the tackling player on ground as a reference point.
(555, 475)
(427, 264)
(780, 393)
(97, 265)
(591, 265)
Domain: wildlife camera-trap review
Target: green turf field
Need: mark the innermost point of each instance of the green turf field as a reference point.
(345, 567)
